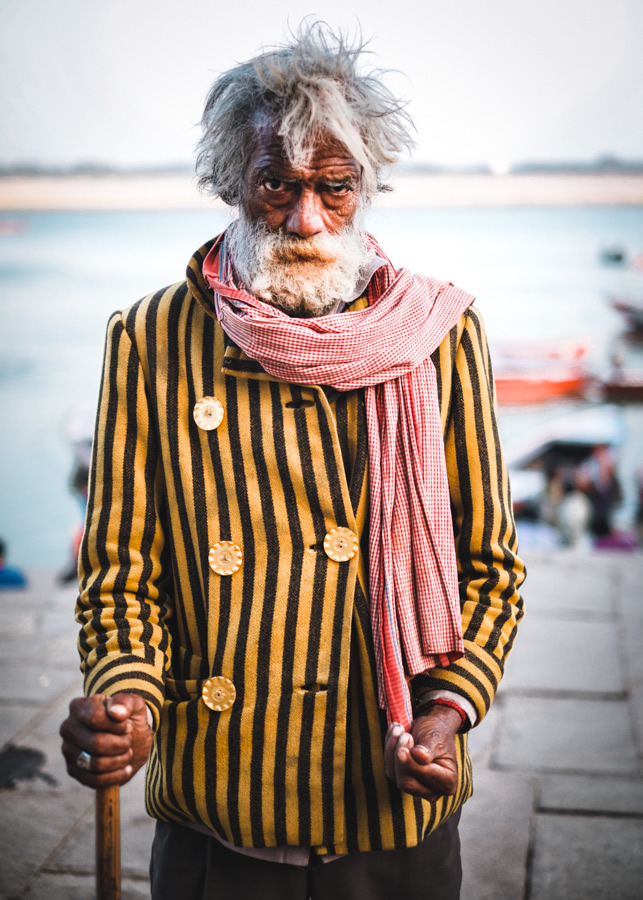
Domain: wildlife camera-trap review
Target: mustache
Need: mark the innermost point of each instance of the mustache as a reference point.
(294, 249)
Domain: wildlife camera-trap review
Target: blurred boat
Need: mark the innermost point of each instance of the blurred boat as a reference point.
(537, 372)
(573, 436)
(623, 389)
(631, 310)
(615, 254)
(629, 303)
(543, 383)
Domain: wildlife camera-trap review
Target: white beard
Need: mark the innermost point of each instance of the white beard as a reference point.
(302, 276)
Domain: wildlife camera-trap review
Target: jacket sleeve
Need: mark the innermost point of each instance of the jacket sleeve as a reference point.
(122, 608)
(489, 570)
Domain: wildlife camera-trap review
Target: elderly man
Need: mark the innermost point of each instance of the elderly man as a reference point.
(298, 577)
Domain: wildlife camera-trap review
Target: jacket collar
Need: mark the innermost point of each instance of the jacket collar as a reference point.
(196, 282)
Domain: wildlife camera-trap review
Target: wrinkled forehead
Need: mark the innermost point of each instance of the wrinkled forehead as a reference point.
(269, 148)
(266, 140)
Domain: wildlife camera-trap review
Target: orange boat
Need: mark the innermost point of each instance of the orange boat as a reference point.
(537, 371)
(538, 385)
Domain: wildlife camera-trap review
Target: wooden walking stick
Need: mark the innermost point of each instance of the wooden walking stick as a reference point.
(108, 843)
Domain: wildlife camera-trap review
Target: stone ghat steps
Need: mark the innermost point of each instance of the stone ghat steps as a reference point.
(557, 812)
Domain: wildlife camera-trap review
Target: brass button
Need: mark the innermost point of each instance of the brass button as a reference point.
(225, 558)
(208, 413)
(218, 693)
(341, 544)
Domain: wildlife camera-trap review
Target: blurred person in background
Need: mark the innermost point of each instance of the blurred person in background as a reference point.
(600, 482)
(9, 576)
(79, 432)
(574, 514)
(299, 580)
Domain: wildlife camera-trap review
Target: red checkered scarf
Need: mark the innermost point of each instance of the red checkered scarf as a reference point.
(384, 348)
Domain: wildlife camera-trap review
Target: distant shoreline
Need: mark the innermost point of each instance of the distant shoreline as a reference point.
(177, 191)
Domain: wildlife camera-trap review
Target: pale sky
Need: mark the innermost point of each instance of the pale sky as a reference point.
(499, 81)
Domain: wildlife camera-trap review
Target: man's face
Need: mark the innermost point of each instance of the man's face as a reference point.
(297, 243)
(320, 197)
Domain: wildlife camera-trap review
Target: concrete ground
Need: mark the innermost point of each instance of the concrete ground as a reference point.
(557, 812)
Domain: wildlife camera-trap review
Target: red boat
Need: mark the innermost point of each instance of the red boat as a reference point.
(538, 372)
(540, 385)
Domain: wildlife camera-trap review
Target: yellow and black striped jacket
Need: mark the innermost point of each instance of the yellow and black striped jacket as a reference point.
(297, 759)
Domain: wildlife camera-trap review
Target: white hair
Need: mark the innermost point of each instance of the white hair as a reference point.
(308, 88)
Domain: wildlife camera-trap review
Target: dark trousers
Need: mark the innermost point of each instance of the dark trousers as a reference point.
(193, 866)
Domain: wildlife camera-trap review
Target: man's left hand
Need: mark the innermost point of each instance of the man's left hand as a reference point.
(424, 762)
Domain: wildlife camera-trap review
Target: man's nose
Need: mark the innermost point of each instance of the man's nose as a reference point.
(305, 218)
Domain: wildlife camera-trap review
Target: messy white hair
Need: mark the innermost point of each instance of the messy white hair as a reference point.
(308, 88)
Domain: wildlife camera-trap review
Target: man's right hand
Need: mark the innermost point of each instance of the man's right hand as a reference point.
(114, 731)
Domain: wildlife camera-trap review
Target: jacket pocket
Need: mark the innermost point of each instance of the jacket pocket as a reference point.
(180, 689)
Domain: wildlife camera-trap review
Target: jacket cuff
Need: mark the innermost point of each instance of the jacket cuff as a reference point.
(468, 709)
(474, 677)
(131, 675)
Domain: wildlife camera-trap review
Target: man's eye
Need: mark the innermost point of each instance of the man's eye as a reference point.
(275, 185)
(339, 187)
